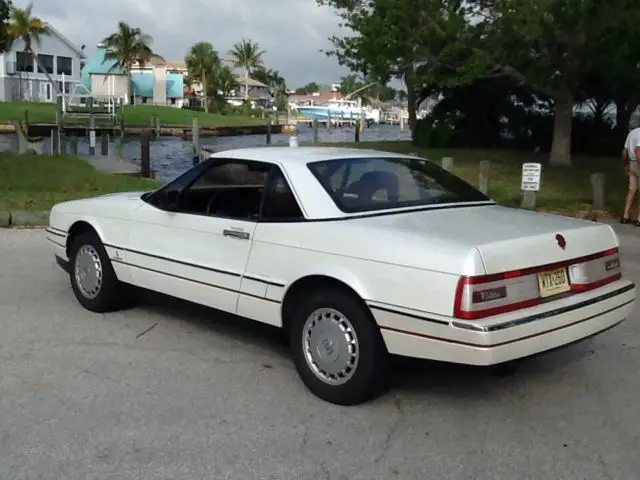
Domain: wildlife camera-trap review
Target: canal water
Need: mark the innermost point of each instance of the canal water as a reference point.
(171, 156)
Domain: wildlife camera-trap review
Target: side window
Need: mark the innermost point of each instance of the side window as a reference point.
(280, 204)
(229, 189)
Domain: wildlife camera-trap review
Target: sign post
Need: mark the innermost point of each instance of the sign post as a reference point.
(530, 184)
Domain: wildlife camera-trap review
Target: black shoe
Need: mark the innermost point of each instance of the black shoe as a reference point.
(625, 220)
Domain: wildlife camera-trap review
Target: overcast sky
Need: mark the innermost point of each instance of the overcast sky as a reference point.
(291, 31)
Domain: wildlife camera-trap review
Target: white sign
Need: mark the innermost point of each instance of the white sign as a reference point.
(92, 138)
(531, 173)
(293, 141)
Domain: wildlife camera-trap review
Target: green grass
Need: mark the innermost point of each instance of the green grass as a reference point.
(133, 115)
(564, 190)
(37, 182)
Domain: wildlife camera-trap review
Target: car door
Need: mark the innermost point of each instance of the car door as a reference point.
(197, 249)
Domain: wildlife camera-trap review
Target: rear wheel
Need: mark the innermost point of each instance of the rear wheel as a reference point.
(337, 348)
(93, 279)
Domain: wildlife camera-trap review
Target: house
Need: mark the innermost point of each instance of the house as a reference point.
(156, 83)
(21, 78)
(258, 92)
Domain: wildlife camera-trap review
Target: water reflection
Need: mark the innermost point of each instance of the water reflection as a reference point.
(170, 156)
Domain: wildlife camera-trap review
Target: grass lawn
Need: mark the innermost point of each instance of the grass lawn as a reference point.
(133, 115)
(37, 182)
(563, 190)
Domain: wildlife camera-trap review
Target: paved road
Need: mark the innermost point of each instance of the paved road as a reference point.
(82, 396)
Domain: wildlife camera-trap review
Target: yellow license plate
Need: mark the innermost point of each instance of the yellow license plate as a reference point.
(553, 282)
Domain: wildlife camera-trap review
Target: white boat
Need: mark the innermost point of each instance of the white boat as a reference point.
(338, 110)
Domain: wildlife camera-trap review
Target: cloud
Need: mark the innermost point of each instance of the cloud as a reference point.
(291, 31)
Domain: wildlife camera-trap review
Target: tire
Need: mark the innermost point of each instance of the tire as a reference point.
(109, 293)
(316, 322)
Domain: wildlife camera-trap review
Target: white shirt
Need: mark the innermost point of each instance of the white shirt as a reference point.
(632, 141)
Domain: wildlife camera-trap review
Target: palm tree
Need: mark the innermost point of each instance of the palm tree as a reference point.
(126, 47)
(23, 25)
(203, 63)
(246, 54)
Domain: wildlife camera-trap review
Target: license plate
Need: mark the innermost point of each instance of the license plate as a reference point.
(553, 282)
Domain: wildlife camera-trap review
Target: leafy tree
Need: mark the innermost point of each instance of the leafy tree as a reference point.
(308, 89)
(23, 25)
(276, 83)
(6, 7)
(547, 45)
(247, 55)
(203, 63)
(126, 47)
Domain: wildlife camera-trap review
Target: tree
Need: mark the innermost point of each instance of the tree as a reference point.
(547, 45)
(308, 89)
(23, 25)
(276, 83)
(247, 55)
(203, 62)
(6, 7)
(126, 47)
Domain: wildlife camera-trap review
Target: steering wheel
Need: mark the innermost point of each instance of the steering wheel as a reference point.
(210, 203)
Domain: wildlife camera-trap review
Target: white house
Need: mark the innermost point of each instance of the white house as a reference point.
(21, 79)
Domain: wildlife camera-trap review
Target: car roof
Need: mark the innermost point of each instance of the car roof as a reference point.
(286, 155)
(314, 200)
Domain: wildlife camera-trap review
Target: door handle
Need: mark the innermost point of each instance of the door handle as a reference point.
(236, 234)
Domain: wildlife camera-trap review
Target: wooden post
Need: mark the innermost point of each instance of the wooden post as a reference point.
(92, 127)
(54, 143)
(59, 122)
(121, 115)
(157, 126)
(597, 186)
(483, 177)
(357, 132)
(314, 126)
(26, 117)
(447, 163)
(104, 144)
(268, 133)
(528, 200)
(145, 150)
(63, 144)
(73, 144)
(195, 136)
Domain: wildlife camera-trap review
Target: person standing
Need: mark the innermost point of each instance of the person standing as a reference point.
(631, 159)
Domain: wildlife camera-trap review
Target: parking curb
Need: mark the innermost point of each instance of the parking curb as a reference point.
(24, 218)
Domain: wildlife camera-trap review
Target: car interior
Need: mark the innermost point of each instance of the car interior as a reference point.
(237, 192)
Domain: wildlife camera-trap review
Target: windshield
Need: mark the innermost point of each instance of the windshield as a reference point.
(375, 183)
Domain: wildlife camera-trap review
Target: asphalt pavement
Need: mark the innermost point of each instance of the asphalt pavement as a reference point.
(171, 391)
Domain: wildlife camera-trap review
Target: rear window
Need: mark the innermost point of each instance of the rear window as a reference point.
(378, 183)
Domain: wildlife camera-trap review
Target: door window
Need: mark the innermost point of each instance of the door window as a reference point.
(229, 189)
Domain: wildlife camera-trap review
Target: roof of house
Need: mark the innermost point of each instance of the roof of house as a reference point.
(250, 82)
(75, 47)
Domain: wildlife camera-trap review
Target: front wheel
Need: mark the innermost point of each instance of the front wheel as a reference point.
(93, 279)
(337, 348)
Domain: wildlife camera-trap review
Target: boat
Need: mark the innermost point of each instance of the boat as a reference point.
(338, 110)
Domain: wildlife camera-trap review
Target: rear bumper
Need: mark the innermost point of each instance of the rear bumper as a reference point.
(511, 336)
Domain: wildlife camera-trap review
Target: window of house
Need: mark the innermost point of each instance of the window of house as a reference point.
(46, 63)
(173, 101)
(24, 62)
(64, 65)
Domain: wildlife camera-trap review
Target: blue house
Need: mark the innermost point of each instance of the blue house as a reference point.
(152, 84)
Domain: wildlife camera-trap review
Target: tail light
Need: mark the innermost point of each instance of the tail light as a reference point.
(488, 295)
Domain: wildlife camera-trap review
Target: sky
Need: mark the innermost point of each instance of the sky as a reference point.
(290, 31)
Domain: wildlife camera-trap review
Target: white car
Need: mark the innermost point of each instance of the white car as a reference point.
(356, 254)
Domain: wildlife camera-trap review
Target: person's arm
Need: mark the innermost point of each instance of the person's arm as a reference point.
(625, 158)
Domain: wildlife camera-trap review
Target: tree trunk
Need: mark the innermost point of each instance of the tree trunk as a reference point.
(246, 85)
(411, 99)
(54, 85)
(204, 91)
(562, 120)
